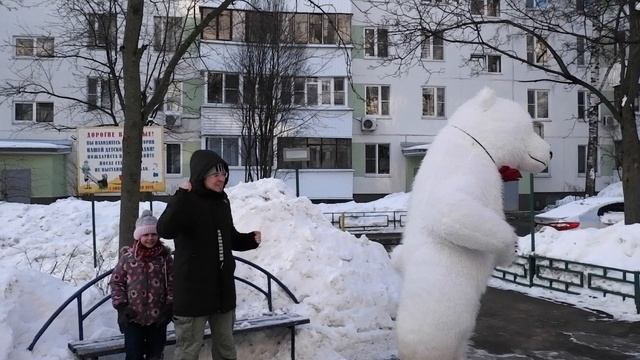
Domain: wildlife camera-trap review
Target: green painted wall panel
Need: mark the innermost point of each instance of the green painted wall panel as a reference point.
(48, 172)
(193, 96)
(188, 148)
(356, 101)
(357, 158)
(357, 37)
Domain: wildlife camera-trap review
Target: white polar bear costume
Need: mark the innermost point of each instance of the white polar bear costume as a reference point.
(456, 230)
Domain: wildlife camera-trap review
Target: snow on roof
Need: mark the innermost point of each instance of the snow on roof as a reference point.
(32, 146)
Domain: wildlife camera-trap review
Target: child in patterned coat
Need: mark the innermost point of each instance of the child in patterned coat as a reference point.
(142, 291)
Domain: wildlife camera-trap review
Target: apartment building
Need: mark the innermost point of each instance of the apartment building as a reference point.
(399, 111)
(366, 122)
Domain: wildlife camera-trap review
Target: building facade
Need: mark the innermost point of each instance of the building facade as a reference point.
(365, 124)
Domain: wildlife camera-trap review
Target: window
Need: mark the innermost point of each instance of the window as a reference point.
(174, 159)
(375, 42)
(537, 52)
(220, 27)
(33, 111)
(228, 147)
(314, 91)
(223, 88)
(581, 5)
(376, 159)
(538, 103)
(582, 104)
(537, 4)
(344, 28)
(486, 63)
(324, 153)
(301, 28)
(433, 101)
(580, 51)
(100, 93)
(315, 28)
(485, 7)
(432, 48)
(538, 127)
(34, 47)
(377, 99)
(167, 32)
(329, 25)
(102, 30)
(582, 159)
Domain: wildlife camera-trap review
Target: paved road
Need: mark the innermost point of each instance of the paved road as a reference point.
(515, 326)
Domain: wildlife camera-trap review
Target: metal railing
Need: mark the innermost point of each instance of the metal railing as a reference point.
(368, 221)
(77, 296)
(572, 277)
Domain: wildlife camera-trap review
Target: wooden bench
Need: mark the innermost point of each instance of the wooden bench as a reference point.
(93, 349)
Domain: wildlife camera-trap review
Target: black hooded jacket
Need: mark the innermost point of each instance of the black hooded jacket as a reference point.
(200, 223)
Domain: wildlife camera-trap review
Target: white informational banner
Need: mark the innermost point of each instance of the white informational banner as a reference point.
(100, 160)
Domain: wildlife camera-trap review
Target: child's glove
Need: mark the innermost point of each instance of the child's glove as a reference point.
(125, 314)
(166, 315)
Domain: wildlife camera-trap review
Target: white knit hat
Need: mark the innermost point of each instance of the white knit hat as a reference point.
(146, 224)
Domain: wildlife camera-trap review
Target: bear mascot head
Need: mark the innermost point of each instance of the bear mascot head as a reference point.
(456, 231)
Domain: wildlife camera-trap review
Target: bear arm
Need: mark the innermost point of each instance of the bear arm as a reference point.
(472, 225)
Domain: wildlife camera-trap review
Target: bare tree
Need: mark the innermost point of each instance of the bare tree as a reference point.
(270, 65)
(126, 64)
(559, 37)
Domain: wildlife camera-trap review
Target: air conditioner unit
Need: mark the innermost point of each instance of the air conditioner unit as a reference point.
(368, 124)
(172, 120)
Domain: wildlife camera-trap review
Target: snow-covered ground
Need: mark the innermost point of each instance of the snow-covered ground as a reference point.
(347, 285)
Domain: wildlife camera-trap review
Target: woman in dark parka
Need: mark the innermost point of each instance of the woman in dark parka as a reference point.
(198, 218)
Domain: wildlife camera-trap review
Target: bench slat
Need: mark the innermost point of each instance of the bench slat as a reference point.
(115, 344)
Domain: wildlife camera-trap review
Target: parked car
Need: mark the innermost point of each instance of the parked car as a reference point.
(593, 212)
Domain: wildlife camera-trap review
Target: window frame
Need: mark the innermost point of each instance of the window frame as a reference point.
(34, 111)
(580, 52)
(299, 90)
(168, 165)
(98, 36)
(582, 103)
(380, 101)
(535, 105)
(300, 25)
(582, 160)
(221, 151)
(439, 107)
(375, 43)
(429, 48)
(377, 159)
(215, 30)
(38, 48)
(484, 7)
(100, 99)
(224, 90)
(534, 46)
(319, 147)
(484, 62)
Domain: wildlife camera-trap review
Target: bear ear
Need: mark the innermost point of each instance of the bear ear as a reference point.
(486, 98)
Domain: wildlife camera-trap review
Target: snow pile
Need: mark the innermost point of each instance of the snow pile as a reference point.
(346, 285)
